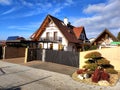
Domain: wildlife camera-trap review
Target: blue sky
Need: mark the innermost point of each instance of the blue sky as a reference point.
(24, 17)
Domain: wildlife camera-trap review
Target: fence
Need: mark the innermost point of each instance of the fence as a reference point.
(60, 57)
(13, 52)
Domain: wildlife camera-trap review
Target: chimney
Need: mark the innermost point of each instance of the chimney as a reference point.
(66, 21)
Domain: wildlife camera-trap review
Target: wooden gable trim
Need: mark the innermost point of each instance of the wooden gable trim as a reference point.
(41, 29)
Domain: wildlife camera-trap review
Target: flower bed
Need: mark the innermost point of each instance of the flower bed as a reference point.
(113, 79)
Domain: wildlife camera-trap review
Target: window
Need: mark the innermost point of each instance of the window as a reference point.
(82, 36)
(106, 36)
(60, 39)
(55, 36)
(48, 35)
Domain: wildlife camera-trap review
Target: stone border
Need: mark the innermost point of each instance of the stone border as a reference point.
(113, 79)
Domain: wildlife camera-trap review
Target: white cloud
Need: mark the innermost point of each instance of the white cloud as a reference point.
(60, 6)
(8, 11)
(94, 8)
(56, 10)
(104, 16)
(25, 3)
(5, 2)
(32, 8)
(68, 2)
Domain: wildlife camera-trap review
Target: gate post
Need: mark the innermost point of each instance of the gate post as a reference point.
(26, 55)
(43, 55)
(4, 49)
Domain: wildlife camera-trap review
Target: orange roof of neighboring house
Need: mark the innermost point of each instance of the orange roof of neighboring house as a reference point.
(70, 32)
(78, 31)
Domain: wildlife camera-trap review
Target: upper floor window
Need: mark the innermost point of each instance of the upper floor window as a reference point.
(48, 35)
(55, 35)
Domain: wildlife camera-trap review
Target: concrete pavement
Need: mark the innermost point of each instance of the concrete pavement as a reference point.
(49, 66)
(19, 77)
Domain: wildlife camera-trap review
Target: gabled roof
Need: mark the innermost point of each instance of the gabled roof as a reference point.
(106, 31)
(78, 31)
(15, 38)
(66, 30)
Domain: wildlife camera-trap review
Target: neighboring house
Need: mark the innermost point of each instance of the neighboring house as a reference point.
(15, 41)
(13, 38)
(91, 40)
(104, 39)
(60, 35)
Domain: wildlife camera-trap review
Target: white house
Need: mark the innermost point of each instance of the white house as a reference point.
(60, 35)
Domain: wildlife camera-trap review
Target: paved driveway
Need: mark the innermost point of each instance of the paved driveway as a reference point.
(68, 70)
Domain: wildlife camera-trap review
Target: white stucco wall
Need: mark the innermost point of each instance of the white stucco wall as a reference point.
(51, 28)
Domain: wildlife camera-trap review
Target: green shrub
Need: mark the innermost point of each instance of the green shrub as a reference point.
(107, 66)
(111, 70)
(90, 72)
(93, 47)
(103, 61)
(92, 66)
(89, 61)
(93, 55)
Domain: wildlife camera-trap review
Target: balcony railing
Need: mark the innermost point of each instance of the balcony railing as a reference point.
(51, 39)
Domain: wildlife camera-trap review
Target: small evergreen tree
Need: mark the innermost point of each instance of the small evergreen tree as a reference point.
(118, 36)
(95, 60)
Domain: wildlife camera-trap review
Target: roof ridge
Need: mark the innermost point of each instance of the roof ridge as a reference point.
(54, 17)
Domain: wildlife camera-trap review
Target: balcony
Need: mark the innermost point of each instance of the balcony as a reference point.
(51, 39)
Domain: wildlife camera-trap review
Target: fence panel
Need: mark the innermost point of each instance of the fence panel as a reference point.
(34, 54)
(63, 57)
(39, 54)
(13, 52)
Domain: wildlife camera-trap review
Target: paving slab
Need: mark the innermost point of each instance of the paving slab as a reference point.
(64, 69)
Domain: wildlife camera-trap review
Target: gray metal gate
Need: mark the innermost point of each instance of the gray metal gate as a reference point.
(61, 57)
(34, 54)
